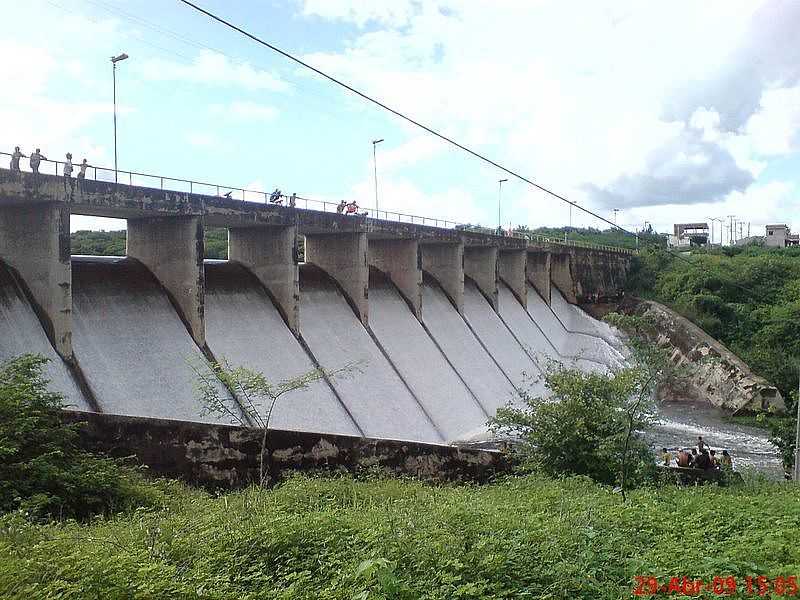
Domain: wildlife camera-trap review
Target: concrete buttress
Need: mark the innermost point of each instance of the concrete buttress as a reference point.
(480, 265)
(172, 249)
(270, 253)
(401, 260)
(445, 263)
(562, 276)
(538, 272)
(344, 257)
(512, 265)
(34, 241)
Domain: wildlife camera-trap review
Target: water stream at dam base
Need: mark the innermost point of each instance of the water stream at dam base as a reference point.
(679, 424)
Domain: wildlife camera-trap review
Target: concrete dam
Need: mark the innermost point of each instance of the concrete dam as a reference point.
(443, 325)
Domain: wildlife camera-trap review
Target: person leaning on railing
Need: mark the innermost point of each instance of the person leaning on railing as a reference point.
(15, 160)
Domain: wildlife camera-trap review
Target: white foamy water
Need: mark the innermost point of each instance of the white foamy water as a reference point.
(377, 398)
(437, 386)
(22, 333)
(244, 328)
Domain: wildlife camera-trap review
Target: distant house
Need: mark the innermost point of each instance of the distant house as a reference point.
(686, 235)
(780, 236)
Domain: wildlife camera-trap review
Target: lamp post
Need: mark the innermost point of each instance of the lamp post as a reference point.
(375, 167)
(730, 230)
(499, 194)
(616, 210)
(114, 61)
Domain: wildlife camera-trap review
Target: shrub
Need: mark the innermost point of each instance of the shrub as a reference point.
(42, 469)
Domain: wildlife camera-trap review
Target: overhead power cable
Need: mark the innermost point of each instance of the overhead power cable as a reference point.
(424, 127)
(399, 114)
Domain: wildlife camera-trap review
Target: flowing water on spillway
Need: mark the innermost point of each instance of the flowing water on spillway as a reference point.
(433, 381)
(131, 344)
(244, 328)
(22, 333)
(476, 367)
(376, 396)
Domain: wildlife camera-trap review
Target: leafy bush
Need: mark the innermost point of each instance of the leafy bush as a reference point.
(42, 469)
(583, 427)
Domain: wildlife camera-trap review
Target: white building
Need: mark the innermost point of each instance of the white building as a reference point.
(780, 236)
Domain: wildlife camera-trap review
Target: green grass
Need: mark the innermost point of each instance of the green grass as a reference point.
(521, 538)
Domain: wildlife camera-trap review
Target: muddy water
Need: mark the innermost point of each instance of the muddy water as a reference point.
(681, 422)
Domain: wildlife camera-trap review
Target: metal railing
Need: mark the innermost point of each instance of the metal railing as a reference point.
(176, 184)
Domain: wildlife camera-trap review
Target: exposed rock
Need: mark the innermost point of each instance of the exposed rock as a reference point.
(717, 375)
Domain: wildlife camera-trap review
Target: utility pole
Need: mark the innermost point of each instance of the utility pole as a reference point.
(114, 61)
(500, 183)
(375, 167)
(797, 436)
(730, 230)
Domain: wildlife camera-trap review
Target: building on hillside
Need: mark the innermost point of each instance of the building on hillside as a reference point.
(686, 235)
(780, 236)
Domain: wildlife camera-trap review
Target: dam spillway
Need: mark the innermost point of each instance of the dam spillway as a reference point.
(441, 325)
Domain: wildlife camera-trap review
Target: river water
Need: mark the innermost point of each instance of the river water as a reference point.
(679, 424)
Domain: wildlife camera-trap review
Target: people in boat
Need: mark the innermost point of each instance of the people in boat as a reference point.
(701, 444)
(666, 457)
(726, 462)
(684, 458)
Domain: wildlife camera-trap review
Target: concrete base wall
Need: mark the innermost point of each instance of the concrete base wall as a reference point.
(561, 275)
(34, 241)
(344, 257)
(224, 456)
(480, 265)
(401, 260)
(445, 262)
(599, 275)
(538, 272)
(270, 253)
(512, 266)
(172, 248)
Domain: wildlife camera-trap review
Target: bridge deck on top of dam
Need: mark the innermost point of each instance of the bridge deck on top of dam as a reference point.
(122, 201)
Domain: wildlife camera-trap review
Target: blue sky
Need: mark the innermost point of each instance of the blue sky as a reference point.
(670, 112)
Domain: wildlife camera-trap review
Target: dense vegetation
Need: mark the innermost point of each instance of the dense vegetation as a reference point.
(336, 538)
(748, 298)
(43, 472)
(112, 243)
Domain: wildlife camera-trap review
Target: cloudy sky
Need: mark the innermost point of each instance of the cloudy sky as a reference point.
(671, 111)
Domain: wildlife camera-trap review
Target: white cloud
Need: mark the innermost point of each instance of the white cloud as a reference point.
(775, 128)
(389, 12)
(248, 111)
(211, 68)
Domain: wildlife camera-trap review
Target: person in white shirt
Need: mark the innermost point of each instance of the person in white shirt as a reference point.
(68, 174)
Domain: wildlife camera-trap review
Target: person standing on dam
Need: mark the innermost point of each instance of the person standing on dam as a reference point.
(82, 174)
(68, 174)
(15, 160)
(35, 160)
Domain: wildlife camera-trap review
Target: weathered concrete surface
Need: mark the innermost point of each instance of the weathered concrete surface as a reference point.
(512, 269)
(538, 272)
(226, 456)
(343, 256)
(270, 253)
(597, 275)
(480, 265)
(34, 241)
(401, 261)
(172, 248)
(561, 275)
(715, 374)
(445, 263)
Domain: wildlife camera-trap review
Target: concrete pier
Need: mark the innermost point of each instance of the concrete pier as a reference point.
(561, 274)
(34, 241)
(344, 257)
(538, 272)
(401, 260)
(480, 265)
(445, 263)
(270, 253)
(172, 248)
(512, 266)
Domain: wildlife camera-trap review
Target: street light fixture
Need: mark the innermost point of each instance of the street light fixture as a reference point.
(616, 210)
(500, 183)
(375, 166)
(114, 61)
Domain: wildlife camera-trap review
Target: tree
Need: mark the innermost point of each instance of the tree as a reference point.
(252, 397)
(43, 470)
(586, 425)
